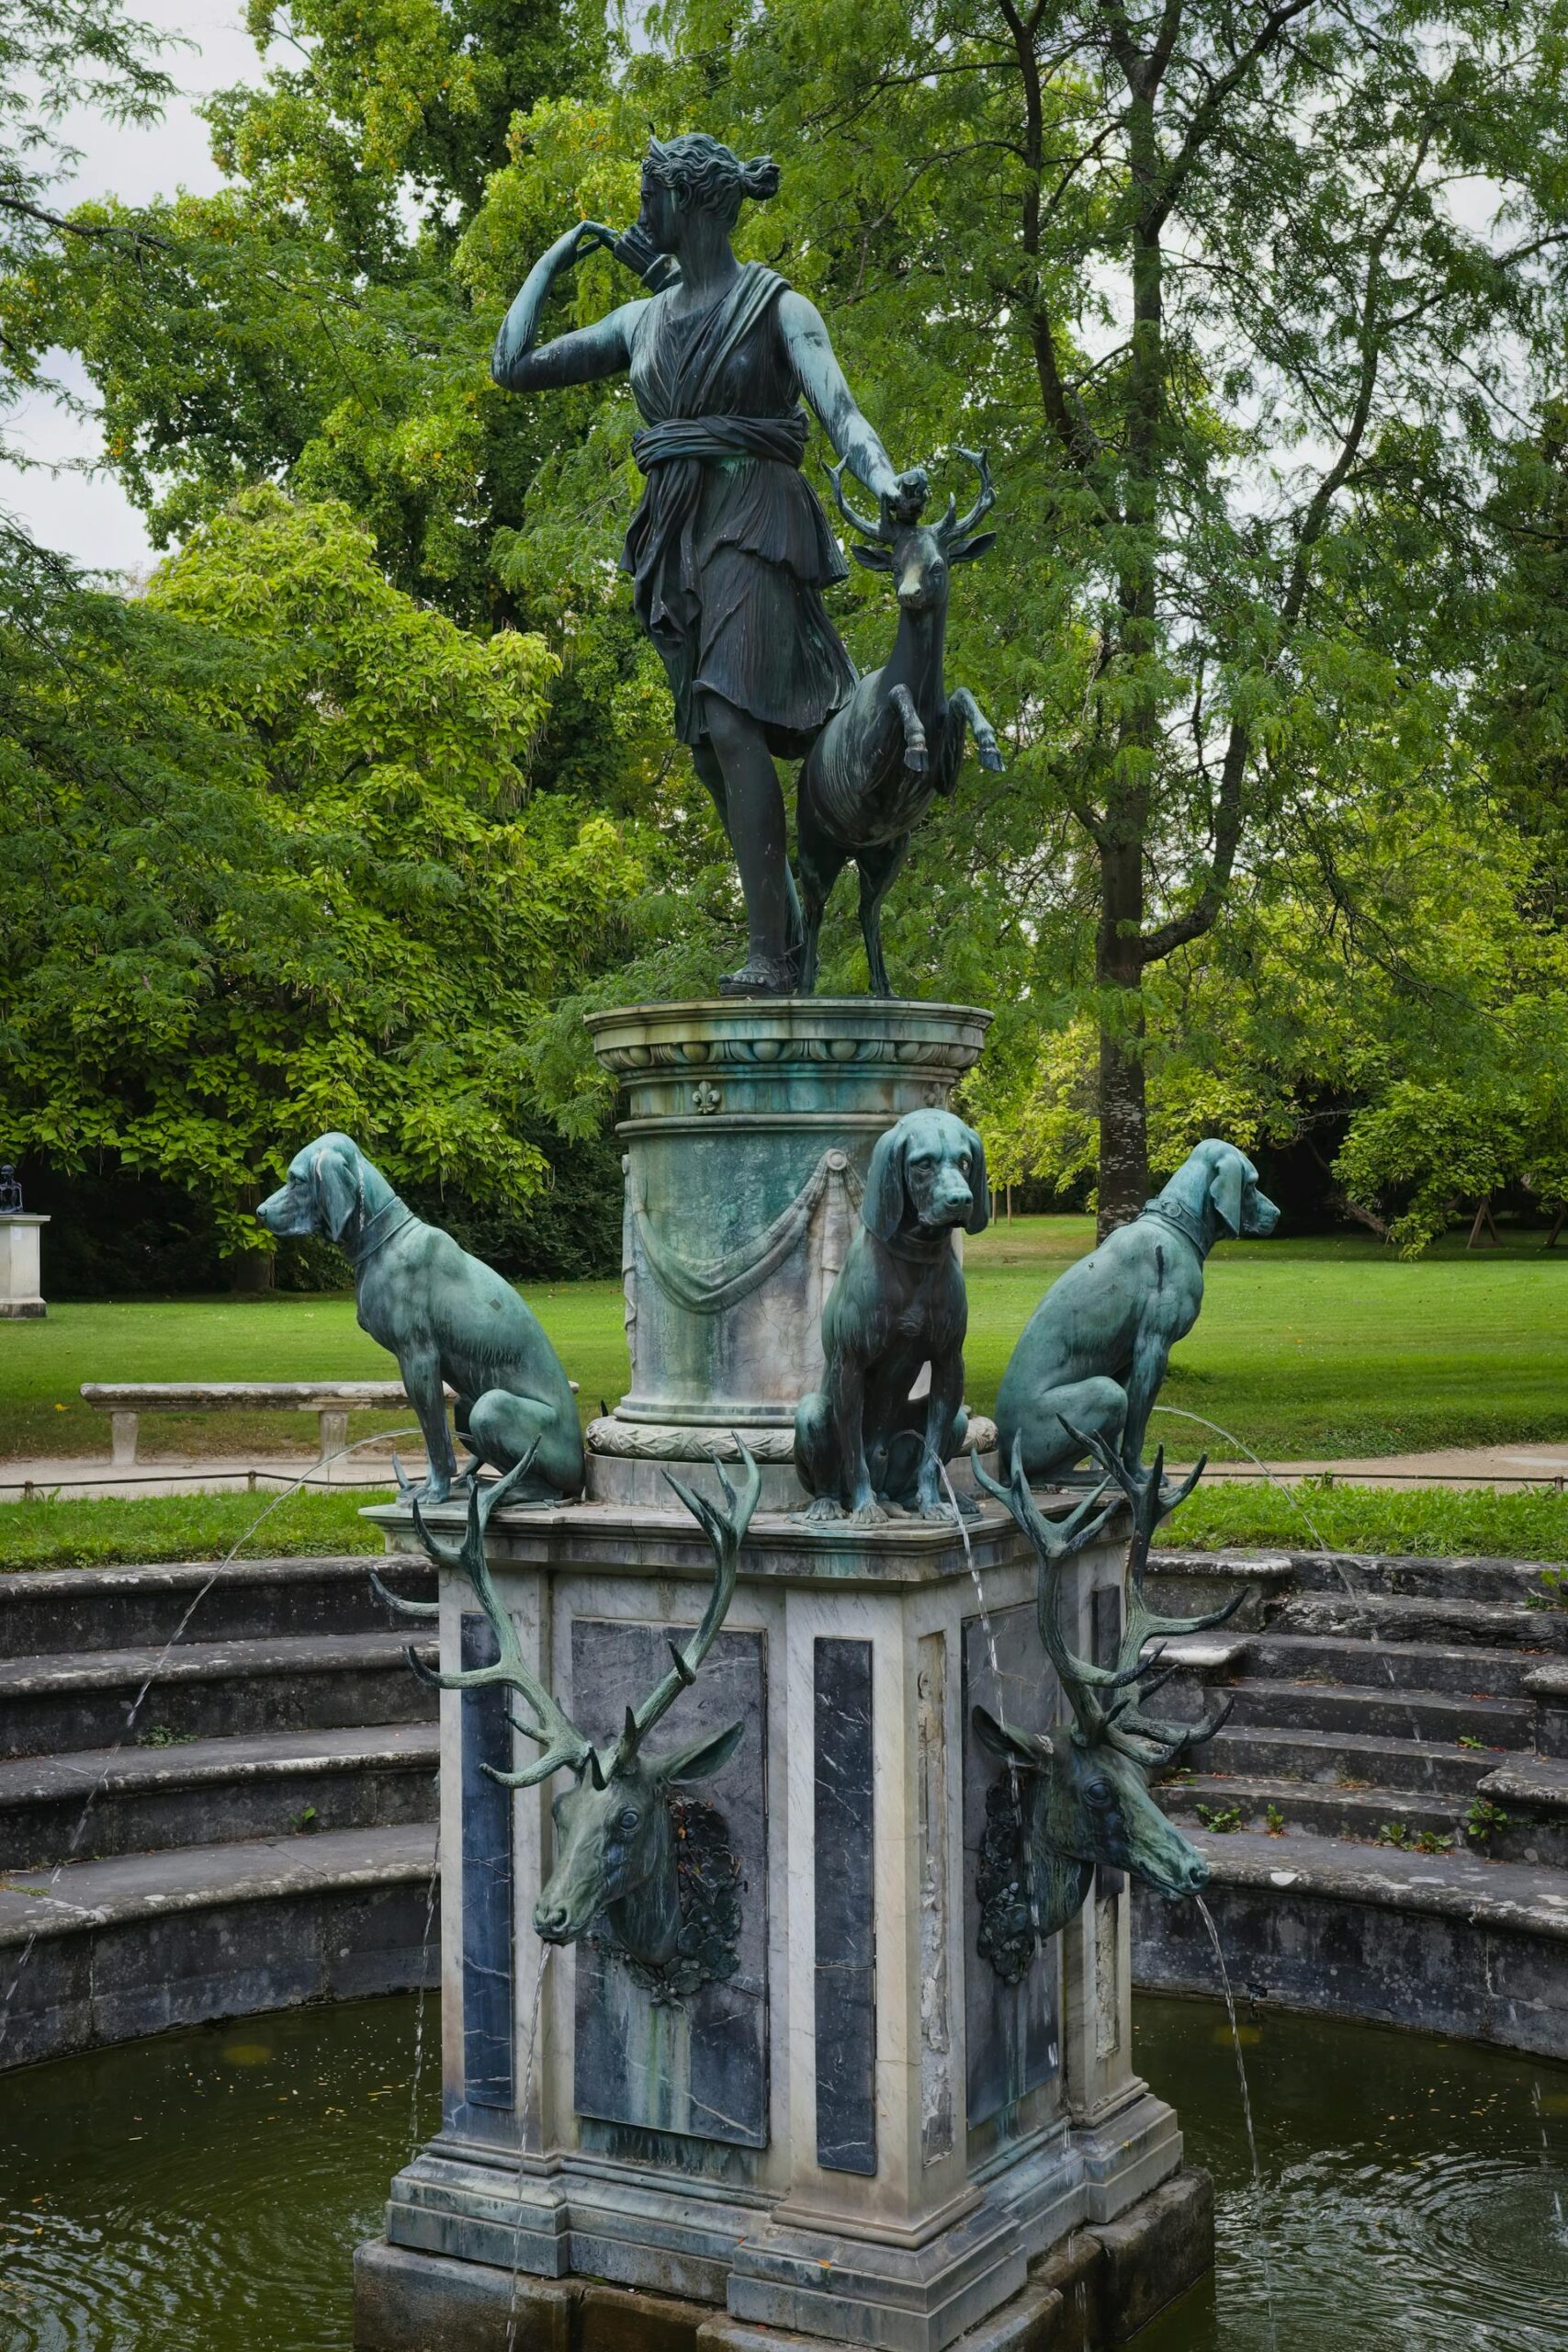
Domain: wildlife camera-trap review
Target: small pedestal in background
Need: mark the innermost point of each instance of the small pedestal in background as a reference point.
(19, 1295)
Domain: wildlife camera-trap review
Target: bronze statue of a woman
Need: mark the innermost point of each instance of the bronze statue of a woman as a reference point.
(729, 550)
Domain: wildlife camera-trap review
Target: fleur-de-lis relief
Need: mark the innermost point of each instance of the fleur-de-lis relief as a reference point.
(706, 1096)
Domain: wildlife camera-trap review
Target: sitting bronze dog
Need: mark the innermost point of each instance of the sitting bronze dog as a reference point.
(863, 1440)
(1093, 1353)
(448, 1317)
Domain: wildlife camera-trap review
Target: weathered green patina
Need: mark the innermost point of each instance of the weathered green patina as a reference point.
(1093, 1354)
(881, 761)
(450, 1320)
(749, 1131)
(730, 550)
(614, 1836)
(899, 1308)
(1083, 1787)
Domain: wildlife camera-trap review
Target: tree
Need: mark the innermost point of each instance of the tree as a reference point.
(1209, 280)
(1390, 998)
(57, 55)
(286, 875)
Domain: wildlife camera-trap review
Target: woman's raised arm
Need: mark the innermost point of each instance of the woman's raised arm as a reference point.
(579, 358)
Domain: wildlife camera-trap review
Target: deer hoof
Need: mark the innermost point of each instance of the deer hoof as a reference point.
(915, 758)
(991, 758)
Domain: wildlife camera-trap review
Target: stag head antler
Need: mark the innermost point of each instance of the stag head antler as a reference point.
(1055, 1543)
(725, 1532)
(562, 1742)
(553, 1728)
(951, 532)
(1153, 1739)
(881, 530)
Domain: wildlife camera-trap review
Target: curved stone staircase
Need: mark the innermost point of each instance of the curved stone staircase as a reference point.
(1385, 1813)
(262, 1834)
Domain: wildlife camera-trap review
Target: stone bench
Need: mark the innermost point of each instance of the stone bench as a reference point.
(330, 1400)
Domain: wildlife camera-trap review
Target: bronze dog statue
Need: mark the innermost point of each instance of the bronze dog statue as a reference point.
(1094, 1352)
(448, 1317)
(863, 1440)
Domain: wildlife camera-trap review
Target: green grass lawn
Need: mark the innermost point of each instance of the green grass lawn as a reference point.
(1322, 1348)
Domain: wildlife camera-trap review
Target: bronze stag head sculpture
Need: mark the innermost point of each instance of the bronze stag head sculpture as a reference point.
(614, 1844)
(1082, 1786)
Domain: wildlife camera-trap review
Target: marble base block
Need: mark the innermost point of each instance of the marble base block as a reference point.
(863, 2134)
(853, 2129)
(20, 1297)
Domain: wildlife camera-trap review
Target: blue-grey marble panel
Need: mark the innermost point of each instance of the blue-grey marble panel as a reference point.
(846, 1912)
(698, 2067)
(1013, 2031)
(488, 1959)
(1105, 1626)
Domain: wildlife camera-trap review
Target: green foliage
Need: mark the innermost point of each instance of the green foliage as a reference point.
(1484, 1820)
(305, 894)
(1223, 1820)
(1420, 1841)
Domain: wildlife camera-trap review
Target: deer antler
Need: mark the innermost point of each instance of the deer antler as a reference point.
(554, 1729)
(950, 530)
(1056, 1541)
(725, 1530)
(1151, 1500)
(878, 531)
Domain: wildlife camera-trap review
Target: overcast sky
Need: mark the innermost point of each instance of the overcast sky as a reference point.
(88, 516)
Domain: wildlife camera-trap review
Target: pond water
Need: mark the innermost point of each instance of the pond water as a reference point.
(205, 2191)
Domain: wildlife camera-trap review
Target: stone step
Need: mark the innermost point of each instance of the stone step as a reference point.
(1470, 1578)
(1531, 1794)
(53, 1611)
(1420, 1618)
(1351, 1663)
(51, 1705)
(266, 1784)
(1318, 1808)
(1191, 1584)
(105, 1951)
(1437, 1716)
(1445, 1943)
(1349, 1760)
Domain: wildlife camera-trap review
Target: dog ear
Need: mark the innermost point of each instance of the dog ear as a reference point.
(887, 1190)
(1227, 1182)
(339, 1189)
(979, 1215)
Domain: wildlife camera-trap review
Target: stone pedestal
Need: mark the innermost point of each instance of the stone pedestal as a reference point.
(20, 1296)
(859, 2132)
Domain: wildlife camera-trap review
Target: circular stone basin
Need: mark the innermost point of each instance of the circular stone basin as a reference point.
(206, 2189)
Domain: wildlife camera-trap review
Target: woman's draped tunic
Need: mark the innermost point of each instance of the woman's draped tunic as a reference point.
(729, 550)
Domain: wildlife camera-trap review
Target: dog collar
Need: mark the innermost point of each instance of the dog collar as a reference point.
(1186, 1224)
(941, 1238)
(372, 1239)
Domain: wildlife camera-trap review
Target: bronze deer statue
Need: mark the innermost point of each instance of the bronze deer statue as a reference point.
(880, 762)
(614, 1846)
(1083, 1788)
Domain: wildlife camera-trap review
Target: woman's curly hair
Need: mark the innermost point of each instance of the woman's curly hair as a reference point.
(708, 175)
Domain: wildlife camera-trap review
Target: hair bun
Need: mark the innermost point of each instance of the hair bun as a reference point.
(760, 177)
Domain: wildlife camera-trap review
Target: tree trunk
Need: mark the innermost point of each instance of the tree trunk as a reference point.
(251, 1273)
(1123, 1126)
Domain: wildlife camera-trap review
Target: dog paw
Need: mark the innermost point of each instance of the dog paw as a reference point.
(869, 1515)
(820, 1508)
